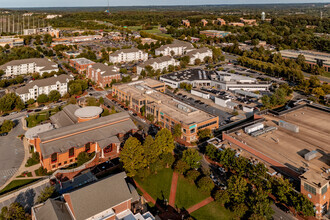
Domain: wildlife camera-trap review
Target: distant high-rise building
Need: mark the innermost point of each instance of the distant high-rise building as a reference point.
(263, 16)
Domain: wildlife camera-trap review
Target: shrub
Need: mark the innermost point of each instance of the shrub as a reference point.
(206, 184)
(82, 158)
(41, 171)
(221, 196)
(192, 175)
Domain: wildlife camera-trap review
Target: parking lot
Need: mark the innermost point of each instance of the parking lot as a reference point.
(11, 153)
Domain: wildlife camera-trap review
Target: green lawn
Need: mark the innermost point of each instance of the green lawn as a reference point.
(15, 184)
(154, 30)
(327, 74)
(36, 118)
(212, 211)
(187, 194)
(158, 186)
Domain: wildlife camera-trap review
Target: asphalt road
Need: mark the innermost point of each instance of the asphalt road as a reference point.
(11, 153)
(281, 215)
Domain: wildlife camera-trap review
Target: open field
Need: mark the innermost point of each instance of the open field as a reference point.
(212, 211)
(288, 147)
(154, 30)
(158, 186)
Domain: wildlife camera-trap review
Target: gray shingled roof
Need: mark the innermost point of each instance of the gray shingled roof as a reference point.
(90, 131)
(156, 60)
(65, 117)
(187, 45)
(53, 210)
(108, 70)
(43, 82)
(130, 50)
(100, 196)
(48, 65)
(200, 50)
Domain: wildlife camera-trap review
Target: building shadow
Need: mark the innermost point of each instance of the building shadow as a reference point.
(26, 199)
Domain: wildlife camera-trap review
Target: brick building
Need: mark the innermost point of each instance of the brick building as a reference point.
(215, 33)
(81, 131)
(81, 64)
(110, 198)
(219, 21)
(103, 74)
(165, 109)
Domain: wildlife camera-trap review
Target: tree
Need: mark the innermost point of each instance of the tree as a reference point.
(72, 100)
(211, 151)
(167, 159)
(150, 149)
(318, 91)
(54, 96)
(7, 125)
(43, 98)
(177, 131)
(192, 158)
(45, 194)
(181, 167)
(192, 175)
(281, 189)
(204, 134)
(237, 188)
(206, 184)
(266, 101)
(75, 89)
(222, 197)
(240, 210)
(30, 101)
(165, 141)
(91, 101)
(14, 211)
(82, 158)
(132, 156)
(11, 101)
(198, 62)
(260, 204)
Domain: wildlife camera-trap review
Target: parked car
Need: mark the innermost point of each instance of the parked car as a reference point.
(5, 114)
(4, 134)
(13, 113)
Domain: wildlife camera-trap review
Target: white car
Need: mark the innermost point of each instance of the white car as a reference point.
(45, 108)
(143, 120)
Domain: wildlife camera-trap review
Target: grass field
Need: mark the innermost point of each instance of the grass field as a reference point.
(212, 211)
(16, 184)
(187, 194)
(154, 30)
(158, 186)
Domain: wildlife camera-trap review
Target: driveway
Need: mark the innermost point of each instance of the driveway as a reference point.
(11, 153)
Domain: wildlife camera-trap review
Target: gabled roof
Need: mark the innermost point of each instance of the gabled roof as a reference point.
(52, 210)
(105, 69)
(130, 50)
(48, 65)
(43, 82)
(200, 50)
(65, 117)
(100, 196)
(188, 46)
(156, 60)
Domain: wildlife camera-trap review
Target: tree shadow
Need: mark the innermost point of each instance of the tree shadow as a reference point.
(26, 199)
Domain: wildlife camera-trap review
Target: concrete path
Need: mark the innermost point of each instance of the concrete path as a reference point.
(173, 189)
(200, 205)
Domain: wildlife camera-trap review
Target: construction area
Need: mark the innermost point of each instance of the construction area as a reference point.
(298, 139)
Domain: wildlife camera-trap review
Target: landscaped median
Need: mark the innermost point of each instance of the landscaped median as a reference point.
(17, 184)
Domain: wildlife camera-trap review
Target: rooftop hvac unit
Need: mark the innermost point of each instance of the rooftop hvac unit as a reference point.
(310, 155)
(253, 128)
(288, 126)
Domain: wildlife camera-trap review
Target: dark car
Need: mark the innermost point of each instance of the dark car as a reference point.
(4, 134)
(5, 114)
(37, 110)
(28, 111)
(41, 105)
(134, 114)
(125, 109)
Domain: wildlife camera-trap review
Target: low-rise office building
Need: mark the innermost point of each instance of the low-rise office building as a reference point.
(237, 24)
(217, 79)
(251, 22)
(311, 57)
(44, 86)
(158, 63)
(103, 74)
(186, 23)
(166, 110)
(81, 64)
(148, 41)
(111, 198)
(27, 66)
(128, 55)
(215, 33)
(178, 47)
(219, 21)
(12, 42)
(87, 133)
(200, 54)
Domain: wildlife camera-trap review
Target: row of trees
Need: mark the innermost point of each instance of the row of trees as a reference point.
(154, 154)
(278, 98)
(250, 186)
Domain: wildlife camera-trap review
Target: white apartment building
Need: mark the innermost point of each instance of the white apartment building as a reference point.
(128, 55)
(43, 86)
(178, 47)
(26, 66)
(158, 63)
(199, 54)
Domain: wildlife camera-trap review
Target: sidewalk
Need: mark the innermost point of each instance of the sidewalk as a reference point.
(200, 205)
(173, 189)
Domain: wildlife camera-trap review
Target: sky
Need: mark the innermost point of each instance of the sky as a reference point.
(85, 3)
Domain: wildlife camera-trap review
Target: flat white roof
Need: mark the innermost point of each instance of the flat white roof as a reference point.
(88, 112)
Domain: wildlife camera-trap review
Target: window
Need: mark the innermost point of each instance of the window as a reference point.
(192, 130)
(59, 164)
(324, 190)
(87, 147)
(71, 152)
(184, 130)
(162, 117)
(108, 149)
(71, 161)
(54, 157)
(310, 188)
(53, 166)
(206, 125)
(65, 162)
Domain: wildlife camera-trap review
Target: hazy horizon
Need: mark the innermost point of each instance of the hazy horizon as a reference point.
(103, 3)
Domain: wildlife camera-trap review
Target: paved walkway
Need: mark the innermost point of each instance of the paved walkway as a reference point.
(200, 205)
(173, 189)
